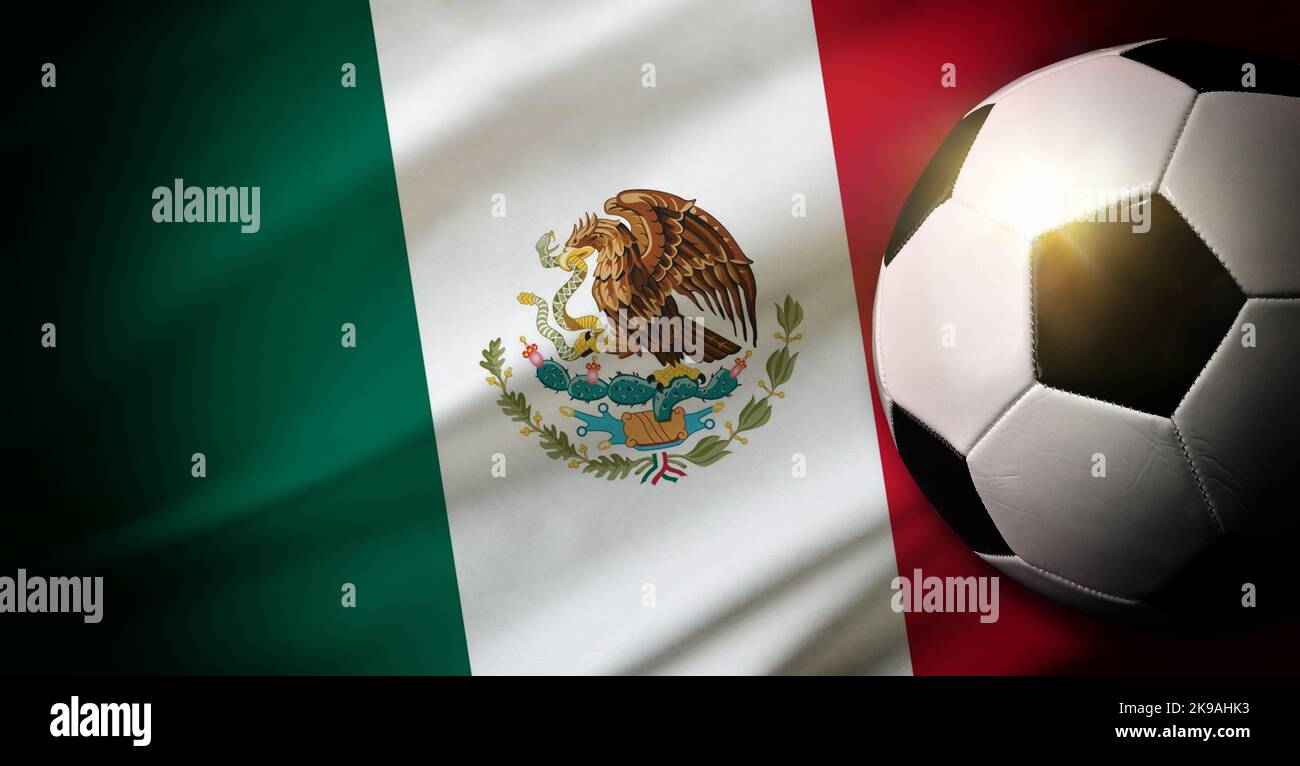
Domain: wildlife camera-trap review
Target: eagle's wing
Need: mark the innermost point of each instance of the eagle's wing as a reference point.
(681, 248)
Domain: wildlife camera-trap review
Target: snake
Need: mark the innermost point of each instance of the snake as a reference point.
(559, 303)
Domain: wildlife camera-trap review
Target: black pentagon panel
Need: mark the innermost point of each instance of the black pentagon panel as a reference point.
(943, 477)
(1207, 67)
(937, 180)
(1126, 316)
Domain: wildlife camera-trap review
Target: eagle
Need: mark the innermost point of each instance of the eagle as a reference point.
(667, 246)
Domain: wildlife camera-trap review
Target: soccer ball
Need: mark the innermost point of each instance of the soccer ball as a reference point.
(1087, 333)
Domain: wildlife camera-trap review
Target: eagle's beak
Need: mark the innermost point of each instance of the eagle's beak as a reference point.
(571, 259)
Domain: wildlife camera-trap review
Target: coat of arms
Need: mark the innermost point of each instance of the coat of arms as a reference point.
(659, 249)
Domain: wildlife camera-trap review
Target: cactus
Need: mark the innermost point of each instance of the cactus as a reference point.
(583, 391)
(553, 375)
(722, 384)
(677, 392)
(629, 390)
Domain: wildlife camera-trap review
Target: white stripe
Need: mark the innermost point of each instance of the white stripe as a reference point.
(754, 570)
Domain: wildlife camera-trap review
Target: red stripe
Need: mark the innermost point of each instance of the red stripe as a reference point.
(881, 67)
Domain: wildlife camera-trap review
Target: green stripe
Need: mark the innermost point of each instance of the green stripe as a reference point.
(183, 338)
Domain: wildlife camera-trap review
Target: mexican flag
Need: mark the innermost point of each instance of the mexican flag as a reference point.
(331, 379)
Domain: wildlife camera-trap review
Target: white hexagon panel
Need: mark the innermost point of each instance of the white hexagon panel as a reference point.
(953, 323)
(1238, 165)
(1098, 494)
(1058, 147)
